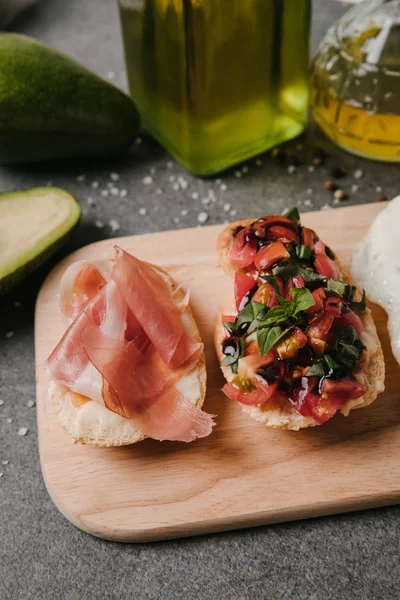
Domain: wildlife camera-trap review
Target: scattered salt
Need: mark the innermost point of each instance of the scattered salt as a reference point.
(114, 225)
(99, 224)
(233, 213)
(202, 217)
(170, 164)
(172, 178)
(336, 201)
(259, 162)
(4, 462)
(212, 196)
(142, 211)
(123, 193)
(358, 174)
(183, 183)
(227, 207)
(17, 303)
(1, 402)
(158, 191)
(9, 420)
(176, 220)
(91, 202)
(195, 195)
(218, 181)
(104, 193)
(309, 192)
(95, 185)
(184, 212)
(22, 431)
(238, 174)
(9, 334)
(176, 186)
(311, 169)
(1, 475)
(114, 191)
(245, 169)
(291, 169)
(206, 201)
(30, 403)
(223, 187)
(50, 183)
(152, 171)
(81, 178)
(114, 177)
(110, 185)
(378, 189)
(148, 180)
(355, 188)
(138, 140)
(308, 203)
(326, 207)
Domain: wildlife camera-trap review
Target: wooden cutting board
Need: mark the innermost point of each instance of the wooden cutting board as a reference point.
(243, 474)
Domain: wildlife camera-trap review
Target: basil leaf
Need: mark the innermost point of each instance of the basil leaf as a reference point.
(275, 315)
(302, 298)
(362, 305)
(310, 276)
(285, 271)
(272, 281)
(267, 338)
(330, 362)
(292, 213)
(229, 360)
(317, 370)
(229, 326)
(249, 313)
(337, 287)
(348, 334)
(303, 252)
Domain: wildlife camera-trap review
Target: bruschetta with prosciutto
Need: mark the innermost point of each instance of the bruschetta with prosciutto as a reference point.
(130, 364)
(295, 340)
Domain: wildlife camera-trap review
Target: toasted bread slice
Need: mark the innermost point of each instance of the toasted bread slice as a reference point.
(278, 412)
(91, 423)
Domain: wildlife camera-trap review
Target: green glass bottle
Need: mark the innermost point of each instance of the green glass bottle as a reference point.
(218, 81)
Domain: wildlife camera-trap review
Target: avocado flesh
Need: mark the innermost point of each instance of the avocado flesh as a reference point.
(33, 225)
(52, 108)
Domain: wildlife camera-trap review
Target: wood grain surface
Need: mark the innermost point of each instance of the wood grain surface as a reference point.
(243, 474)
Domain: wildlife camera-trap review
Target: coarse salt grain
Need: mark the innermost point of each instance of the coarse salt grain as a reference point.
(227, 207)
(309, 191)
(238, 174)
(30, 403)
(148, 180)
(233, 213)
(9, 334)
(326, 207)
(91, 202)
(195, 195)
(104, 193)
(308, 203)
(176, 220)
(4, 462)
(202, 217)
(1, 475)
(50, 183)
(291, 169)
(17, 303)
(123, 193)
(311, 169)
(206, 201)
(184, 212)
(170, 164)
(355, 188)
(218, 181)
(183, 183)
(259, 162)
(22, 431)
(99, 224)
(138, 140)
(223, 187)
(245, 169)
(9, 420)
(81, 178)
(159, 191)
(172, 178)
(336, 201)
(114, 191)
(1, 402)
(212, 196)
(152, 171)
(378, 189)
(176, 186)
(95, 185)
(110, 185)
(358, 174)
(114, 177)
(114, 225)
(142, 211)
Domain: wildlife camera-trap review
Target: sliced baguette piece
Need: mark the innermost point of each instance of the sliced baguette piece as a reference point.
(279, 413)
(88, 422)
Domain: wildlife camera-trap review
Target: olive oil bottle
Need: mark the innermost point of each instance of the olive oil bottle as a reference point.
(355, 81)
(218, 81)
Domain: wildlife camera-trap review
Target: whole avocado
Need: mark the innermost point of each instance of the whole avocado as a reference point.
(52, 108)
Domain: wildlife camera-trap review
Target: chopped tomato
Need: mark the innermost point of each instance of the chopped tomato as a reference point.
(243, 285)
(279, 223)
(269, 255)
(322, 409)
(318, 346)
(282, 233)
(298, 397)
(266, 295)
(349, 318)
(281, 286)
(333, 306)
(248, 365)
(309, 403)
(244, 249)
(255, 395)
(319, 329)
(319, 247)
(319, 297)
(294, 282)
(325, 266)
(289, 346)
(308, 236)
(343, 389)
(228, 319)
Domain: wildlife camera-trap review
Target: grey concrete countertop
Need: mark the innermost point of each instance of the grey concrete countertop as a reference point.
(43, 556)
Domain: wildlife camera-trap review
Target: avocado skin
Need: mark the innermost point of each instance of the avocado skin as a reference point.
(16, 276)
(52, 108)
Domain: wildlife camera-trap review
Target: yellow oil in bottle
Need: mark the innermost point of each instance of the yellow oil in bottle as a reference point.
(355, 81)
(218, 81)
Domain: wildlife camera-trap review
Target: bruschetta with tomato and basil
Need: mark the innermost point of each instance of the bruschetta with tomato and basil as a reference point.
(295, 339)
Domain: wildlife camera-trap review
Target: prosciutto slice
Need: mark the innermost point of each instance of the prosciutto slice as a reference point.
(127, 347)
(149, 297)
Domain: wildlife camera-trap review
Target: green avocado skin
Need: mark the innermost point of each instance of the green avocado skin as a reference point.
(52, 108)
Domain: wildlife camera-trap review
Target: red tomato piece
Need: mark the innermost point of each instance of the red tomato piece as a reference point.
(266, 295)
(282, 233)
(269, 255)
(243, 285)
(343, 389)
(228, 318)
(294, 282)
(308, 236)
(325, 266)
(319, 329)
(333, 306)
(319, 297)
(290, 345)
(244, 249)
(350, 319)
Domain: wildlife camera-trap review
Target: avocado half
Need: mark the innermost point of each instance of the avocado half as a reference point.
(53, 108)
(33, 225)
